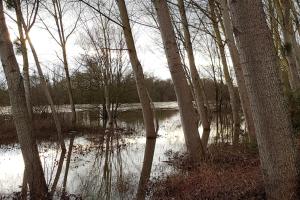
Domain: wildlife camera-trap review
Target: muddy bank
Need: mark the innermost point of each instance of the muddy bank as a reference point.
(227, 173)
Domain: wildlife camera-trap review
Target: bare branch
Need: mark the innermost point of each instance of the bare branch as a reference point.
(101, 13)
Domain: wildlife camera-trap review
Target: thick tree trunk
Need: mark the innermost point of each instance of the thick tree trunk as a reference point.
(184, 97)
(138, 72)
(197, 83)
(272, 120)
(232, 95)
(238, 70)
(34, 170)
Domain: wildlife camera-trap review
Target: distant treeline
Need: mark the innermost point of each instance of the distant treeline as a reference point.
(87, 90)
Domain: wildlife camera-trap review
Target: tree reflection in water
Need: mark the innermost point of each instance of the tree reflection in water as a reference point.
(146, 169)
(114, 165)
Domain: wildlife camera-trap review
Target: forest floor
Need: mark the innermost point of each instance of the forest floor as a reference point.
(228, 172)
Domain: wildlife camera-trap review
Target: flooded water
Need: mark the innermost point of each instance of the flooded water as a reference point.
(103, 167)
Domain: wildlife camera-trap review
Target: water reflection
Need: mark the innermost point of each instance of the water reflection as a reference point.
(146, 169)
(116, 165)
(65, 180)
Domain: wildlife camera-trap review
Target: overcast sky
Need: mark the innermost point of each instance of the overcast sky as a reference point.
(147, 41)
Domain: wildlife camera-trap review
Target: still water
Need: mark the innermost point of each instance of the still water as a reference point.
(103, 166)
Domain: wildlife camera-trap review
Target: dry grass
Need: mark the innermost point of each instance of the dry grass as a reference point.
(227, 173)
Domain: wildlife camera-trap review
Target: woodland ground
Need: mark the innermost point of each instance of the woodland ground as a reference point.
(228, 172)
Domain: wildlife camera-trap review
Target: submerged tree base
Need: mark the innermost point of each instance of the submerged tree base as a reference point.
(227, 173)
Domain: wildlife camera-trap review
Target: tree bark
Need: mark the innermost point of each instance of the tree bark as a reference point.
(284, 69)
(148, 114)
(228, 32)
(34, 170)
(184, 97)
(269, 107)
(296, 16)
(232, 95)
(197, 83)
(26, 78)
(290, 42)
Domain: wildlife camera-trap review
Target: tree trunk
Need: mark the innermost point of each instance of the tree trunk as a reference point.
(184, 97)
(48, 95)
(284, 16)
(269, 107)
(34, 170)
(284, 64)
(42, 78)
(138, 72)
(108, 103)
(296, 16)
(58, 17)
(107, 75)
(26, 79)
(24, 189)
(197, 83)
(228, 32)
(69, 86)
(232, 95)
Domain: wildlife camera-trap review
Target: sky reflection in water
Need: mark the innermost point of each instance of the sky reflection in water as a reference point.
(101, 167)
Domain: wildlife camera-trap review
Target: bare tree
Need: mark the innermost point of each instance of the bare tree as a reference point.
(229, 82)
(138, 71)
(104, 48)
(228, 32)
(57, 12)
(195, 78)
(184, 97)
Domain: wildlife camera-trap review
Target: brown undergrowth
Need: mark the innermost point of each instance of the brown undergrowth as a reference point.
(228, 172)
